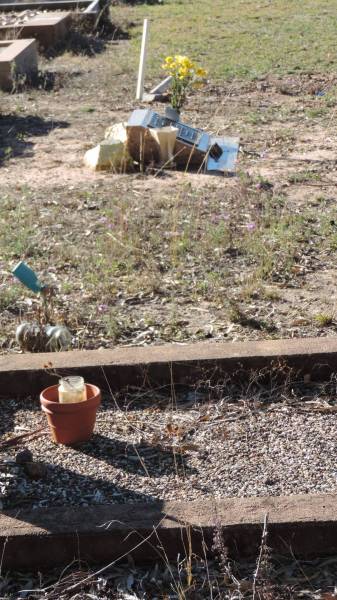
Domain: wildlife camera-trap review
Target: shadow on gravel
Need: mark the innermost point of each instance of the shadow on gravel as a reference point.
(7, 408)
(64, 488)
(138, 459)
(14, 131)
(61, 486)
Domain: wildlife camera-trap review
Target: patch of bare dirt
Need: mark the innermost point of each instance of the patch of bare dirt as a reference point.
(288, 151)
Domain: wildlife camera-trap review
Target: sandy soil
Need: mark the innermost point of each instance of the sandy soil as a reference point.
(44, 135)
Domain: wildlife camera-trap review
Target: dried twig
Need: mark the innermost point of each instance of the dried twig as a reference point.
(106, 567)
(30, 435)
(263, 547)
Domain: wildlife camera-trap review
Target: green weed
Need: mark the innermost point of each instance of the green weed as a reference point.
(323, 319)
(316, 113)
(8, 296)
(304, 176)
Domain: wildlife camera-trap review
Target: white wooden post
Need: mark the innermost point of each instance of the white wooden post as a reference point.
(142, 62)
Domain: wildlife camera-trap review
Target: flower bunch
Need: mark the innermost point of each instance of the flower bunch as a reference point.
(185, 74)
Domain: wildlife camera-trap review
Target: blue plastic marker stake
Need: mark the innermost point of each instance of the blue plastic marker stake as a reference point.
(27, 276)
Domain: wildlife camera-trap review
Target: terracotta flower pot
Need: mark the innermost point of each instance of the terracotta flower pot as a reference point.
(70, 423)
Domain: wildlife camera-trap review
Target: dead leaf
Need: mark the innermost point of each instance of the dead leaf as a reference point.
(174, 429)
(189, 448)
(169, 428)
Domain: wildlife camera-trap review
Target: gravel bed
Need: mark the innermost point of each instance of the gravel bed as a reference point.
(17, 19)
(150, 448)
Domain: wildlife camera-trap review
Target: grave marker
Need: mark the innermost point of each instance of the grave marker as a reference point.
(17, 57)
(194, 147)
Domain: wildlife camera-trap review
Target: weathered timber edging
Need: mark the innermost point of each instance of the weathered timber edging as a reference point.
(303, 525)
(24, 374)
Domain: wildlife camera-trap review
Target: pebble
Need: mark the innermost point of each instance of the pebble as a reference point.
(17, 18)
(24, 456)
(35, 470)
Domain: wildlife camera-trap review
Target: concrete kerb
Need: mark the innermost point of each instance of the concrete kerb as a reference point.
(17, 58)
(46, 29)
(14, 5)
(25, 374)
(304, 526)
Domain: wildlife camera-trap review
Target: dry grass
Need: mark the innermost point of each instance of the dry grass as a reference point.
(157, 257)
(189, 577)
(133, 269)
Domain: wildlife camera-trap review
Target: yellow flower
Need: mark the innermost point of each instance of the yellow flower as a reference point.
(183, 72)
(169, 65)
(188, 64)
(201, 72)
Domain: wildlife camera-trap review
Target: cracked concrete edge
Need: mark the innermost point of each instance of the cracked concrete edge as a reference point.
(23, 375)
(32, 539)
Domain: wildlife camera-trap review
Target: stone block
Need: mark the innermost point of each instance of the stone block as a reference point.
(116, 132)
(21, 5)
(109, 154)
(47, 29)
(166, 138)
(17, 57)
(141, 145)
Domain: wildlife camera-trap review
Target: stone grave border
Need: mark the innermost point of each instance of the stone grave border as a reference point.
(46, 29)
(18, 58)
(303, 525)
(17, 6)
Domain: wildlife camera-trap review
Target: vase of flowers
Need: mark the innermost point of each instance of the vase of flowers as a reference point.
(185, 75)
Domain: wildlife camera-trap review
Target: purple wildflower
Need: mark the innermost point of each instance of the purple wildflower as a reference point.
(251, 226)
(105, 221)
(102, 308)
